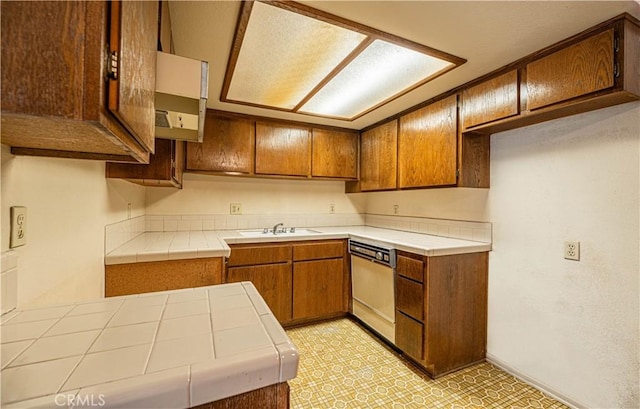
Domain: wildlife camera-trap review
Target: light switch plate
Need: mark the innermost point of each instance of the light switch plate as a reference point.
(18, 226)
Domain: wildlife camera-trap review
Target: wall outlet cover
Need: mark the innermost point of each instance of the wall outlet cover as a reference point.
(572, 250)
(235, 208)
(18, 226)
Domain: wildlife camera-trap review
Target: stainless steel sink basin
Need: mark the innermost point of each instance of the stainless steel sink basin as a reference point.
(261, 233)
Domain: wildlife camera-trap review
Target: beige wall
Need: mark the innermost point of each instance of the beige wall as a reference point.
(573, 326)
(206, 194)
(68, 202)
(570, 326)
(444, 203)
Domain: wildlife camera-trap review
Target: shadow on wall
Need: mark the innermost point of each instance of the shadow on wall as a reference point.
(207, 194)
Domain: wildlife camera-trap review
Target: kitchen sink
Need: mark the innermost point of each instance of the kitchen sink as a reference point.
(261, 233)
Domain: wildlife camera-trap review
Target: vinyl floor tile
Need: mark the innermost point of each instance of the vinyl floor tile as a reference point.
(343, 366)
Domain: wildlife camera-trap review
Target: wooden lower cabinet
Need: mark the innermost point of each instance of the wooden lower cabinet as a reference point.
(273, 282)
(270, 397)
(441, 323)
(136, 278)
(318, 288)
(299, 281)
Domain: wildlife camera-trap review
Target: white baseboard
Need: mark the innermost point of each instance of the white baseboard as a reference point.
(546, 389)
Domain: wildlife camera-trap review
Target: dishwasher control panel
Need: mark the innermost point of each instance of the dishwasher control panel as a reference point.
(374, 252)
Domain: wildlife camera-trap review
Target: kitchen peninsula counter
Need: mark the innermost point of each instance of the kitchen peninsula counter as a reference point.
(162, 246)
(179, 348)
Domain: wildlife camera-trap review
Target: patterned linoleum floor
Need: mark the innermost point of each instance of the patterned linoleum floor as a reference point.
(342, 366)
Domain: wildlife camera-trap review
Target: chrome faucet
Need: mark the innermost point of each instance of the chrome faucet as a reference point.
(275, 228)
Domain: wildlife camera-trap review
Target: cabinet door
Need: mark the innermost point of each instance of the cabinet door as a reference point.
(335, 154)
(317, 288)
(580, 69)
(136, 278)
(134, 41)
(227, 146)
(273, 282)
(35, 32)
(282, 150)
(427, 145)
(491, 100)
(378, 157)
(164, 168)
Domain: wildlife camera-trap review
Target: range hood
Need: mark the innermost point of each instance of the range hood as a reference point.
(181, 97)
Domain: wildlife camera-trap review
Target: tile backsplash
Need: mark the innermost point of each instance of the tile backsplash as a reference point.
(155, 223)
(9, 280)
(457, 229)
(117, 234)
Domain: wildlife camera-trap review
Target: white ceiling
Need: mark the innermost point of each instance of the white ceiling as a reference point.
(489, 34)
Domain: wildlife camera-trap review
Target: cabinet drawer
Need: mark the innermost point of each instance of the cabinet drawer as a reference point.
(410, 268)
(409, 297)
(409, 336)
(583, 68)
(316, 251)
(247, 256)
(489, 101)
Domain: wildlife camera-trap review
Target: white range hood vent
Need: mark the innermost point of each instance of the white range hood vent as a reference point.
(182, 86)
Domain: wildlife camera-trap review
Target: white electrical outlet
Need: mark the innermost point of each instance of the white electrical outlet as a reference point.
(18, 226)
(236, 208)
(332, 208)
(572, 250)
(396, 209)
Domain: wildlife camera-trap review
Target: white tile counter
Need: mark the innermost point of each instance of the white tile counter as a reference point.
(166, 349)
(418, 243)
(159, 246)
(163, 246)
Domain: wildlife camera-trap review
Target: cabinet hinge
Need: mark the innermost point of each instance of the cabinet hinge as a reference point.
(457, 173)
(616, 44)
(112, 68)
(616, 70)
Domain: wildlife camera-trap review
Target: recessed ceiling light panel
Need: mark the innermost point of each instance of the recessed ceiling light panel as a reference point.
(284, 55)
(291, 57)
(377, 74)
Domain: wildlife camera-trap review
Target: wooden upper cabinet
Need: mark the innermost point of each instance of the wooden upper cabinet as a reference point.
(54, 66)
(427, 145)
(491, 100)
(335, 154)
(379, 157)
(580, 69)
(282, 150)
(165, 168)
(228, 146)
(132, 85)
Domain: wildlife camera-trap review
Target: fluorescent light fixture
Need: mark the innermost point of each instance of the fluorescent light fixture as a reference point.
(291, 57)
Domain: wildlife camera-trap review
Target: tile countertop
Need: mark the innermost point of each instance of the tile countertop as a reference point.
(177, 348)
(160, 246)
